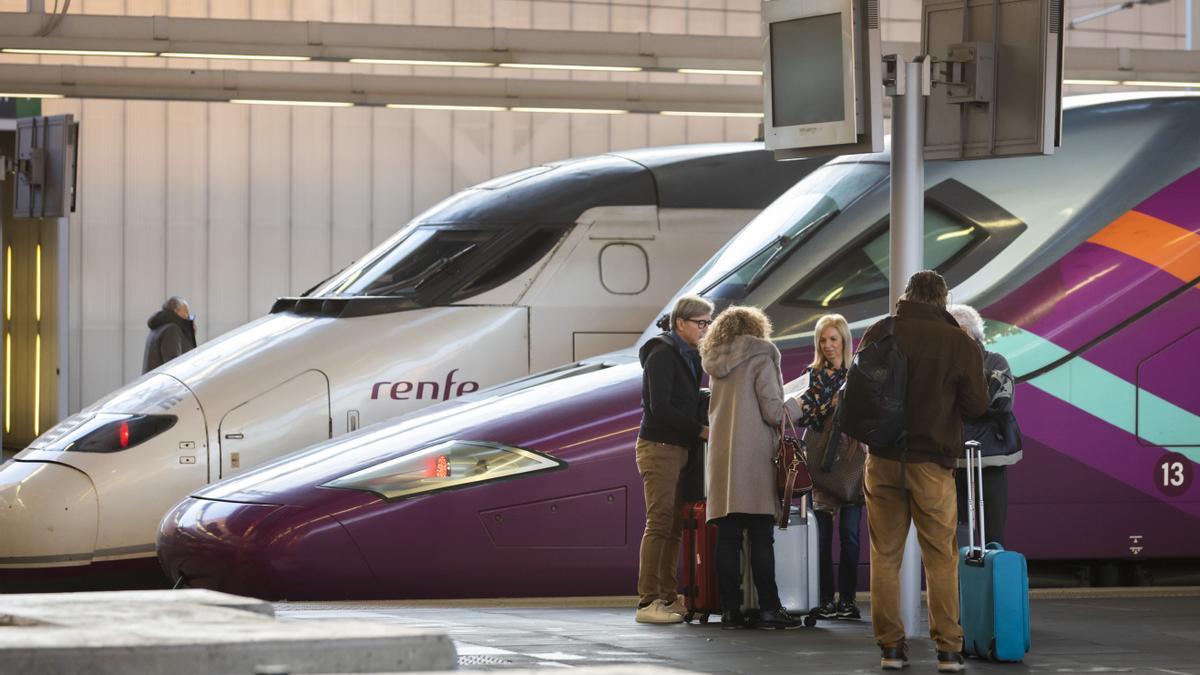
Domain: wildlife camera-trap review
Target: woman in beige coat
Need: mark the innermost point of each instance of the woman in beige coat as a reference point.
(744, 416)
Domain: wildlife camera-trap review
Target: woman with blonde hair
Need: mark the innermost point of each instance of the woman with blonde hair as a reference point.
(832, 354)
(744, 413)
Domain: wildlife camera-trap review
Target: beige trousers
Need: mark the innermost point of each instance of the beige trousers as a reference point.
(661, 466)
(932, 505)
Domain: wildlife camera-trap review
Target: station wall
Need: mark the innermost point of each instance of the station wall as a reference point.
(232, 206)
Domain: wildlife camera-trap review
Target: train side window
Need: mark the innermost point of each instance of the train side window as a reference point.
(624, 268)
(507, 264)
(862, 271)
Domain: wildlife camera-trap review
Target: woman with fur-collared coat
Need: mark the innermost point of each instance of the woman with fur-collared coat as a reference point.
(744, 417)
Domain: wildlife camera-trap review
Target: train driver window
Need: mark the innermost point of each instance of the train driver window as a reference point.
(862, 271)
(418, 260)
(518, 255)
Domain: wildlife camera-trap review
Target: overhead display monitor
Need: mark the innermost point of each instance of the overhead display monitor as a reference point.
(822, 92)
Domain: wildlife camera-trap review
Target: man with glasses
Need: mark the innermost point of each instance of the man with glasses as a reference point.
(672, 426)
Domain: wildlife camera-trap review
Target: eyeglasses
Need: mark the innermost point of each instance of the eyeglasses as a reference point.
(702, 323)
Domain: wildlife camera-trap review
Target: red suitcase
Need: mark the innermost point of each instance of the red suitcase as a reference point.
(700, 592)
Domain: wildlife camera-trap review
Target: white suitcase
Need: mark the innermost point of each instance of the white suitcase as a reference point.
(797, 565)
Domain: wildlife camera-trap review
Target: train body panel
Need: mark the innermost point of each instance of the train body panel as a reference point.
(532, 269)
(1084, 266)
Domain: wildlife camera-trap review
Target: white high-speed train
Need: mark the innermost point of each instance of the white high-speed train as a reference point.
(515, 275)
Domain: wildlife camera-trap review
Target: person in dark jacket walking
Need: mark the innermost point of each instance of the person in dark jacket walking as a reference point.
(672, 427)
(172, 332)
(997, 432)
(914, 482)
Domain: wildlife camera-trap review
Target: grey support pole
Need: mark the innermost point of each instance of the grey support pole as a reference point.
(1192, 33)
(907, 258)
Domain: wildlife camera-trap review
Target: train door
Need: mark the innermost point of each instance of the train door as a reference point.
(292, 414)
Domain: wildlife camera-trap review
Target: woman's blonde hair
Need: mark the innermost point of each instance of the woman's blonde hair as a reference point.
(735, 321)
(839, 322)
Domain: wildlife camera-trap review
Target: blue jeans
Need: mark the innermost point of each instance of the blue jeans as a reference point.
(848, 523)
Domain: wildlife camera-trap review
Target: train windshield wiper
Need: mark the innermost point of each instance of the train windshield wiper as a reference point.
(783, 246)
(414, 282)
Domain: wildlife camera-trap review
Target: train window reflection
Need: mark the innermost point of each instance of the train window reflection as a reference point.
(862, 271)
(783, 226)
(451, 464)
(416, 260)
(519, 257)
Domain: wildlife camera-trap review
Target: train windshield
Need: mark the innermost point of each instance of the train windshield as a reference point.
(432, 263)
(783, 225)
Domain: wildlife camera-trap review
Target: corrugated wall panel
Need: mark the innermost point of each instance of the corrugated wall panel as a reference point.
(350, 181)
(187, 252)
(144, 241)
(228, 252)
(270, 205)
(102, 265)
(312, 138)
(392, 172)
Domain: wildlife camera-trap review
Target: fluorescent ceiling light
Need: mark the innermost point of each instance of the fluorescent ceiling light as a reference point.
(718, 71)
(31, 95)
(318, 104)
(550, 66)
(692, 113)
(1106, 83)
(1149, 83)
(585, 111)
(412, 62)
(248, 57)
(76, 52)
(430, 106)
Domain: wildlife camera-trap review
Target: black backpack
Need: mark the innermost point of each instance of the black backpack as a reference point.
(872, 409)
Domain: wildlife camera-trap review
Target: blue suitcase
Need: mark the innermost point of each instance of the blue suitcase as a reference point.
(993, 586)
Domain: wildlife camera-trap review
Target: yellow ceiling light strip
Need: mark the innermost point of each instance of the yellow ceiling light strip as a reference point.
(7, 382)
(24, 95)
(38, 284)
(8, 284)
(37, 385)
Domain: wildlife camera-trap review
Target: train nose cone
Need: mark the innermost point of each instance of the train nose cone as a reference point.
(47, 516)
(262, 550)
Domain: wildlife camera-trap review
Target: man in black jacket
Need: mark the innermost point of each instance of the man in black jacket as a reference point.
(672, 424)
(172, 332)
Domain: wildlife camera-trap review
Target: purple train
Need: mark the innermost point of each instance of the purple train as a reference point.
(1085, 266)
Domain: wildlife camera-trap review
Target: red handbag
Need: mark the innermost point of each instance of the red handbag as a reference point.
(791, 472)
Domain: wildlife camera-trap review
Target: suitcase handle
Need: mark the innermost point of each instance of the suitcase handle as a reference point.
(975, 491)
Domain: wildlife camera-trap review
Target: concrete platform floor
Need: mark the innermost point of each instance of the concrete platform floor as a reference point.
(1074, 631)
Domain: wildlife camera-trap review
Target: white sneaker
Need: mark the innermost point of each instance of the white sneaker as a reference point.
(679, 606)
(657, 612)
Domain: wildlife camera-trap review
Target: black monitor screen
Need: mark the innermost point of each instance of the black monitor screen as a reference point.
(807, 71)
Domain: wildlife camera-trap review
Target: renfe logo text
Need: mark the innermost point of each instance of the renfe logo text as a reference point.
(404, 390)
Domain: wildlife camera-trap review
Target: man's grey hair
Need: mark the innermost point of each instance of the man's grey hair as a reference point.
(968, 319)
(174, 302)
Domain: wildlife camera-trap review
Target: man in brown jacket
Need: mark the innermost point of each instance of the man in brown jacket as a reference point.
(915, 482)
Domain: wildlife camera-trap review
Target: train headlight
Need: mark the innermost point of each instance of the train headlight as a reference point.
(106, 432)
(452, 464)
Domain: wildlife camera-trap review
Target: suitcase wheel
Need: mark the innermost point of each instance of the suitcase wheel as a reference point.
(810, 621)
(703, 618)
